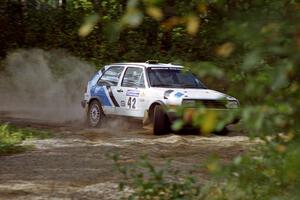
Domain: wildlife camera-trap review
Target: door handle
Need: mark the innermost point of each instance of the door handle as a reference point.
(120, 90)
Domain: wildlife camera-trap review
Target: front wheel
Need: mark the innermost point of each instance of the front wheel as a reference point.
(95, 114)
(223, 132)
(161, 124)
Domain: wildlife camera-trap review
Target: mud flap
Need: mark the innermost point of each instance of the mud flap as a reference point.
(146, 119)
(83, 103)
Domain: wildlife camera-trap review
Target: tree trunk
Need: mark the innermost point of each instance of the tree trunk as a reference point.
(151, 31)
(122, 43)
(22, 14)
(166, 40)
(64, 4)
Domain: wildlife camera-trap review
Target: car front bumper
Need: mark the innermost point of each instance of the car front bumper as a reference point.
(173, 116)
(83, 103)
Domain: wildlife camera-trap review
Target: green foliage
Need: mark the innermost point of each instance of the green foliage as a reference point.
(269, 171)
(256, 45)
(263, 174)
(149, 182)
(11, 137)
(248, 48)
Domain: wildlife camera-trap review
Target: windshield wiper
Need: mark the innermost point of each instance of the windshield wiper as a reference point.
(160, 85)
(194, 86)
(188, 86)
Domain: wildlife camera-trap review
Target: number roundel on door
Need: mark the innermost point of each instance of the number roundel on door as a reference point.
(131, 103)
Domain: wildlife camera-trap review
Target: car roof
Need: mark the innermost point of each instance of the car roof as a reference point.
(150, 64)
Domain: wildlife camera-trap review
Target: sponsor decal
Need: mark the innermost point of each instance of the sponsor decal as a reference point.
(179, 94)
(133, 93)
(123, 104)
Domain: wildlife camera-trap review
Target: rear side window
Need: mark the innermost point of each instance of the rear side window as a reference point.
(134, 77)
(111, 76)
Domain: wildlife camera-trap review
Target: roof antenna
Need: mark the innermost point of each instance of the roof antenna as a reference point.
(152, 61)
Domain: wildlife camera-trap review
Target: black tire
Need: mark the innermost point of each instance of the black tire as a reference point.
(95, 114)
(223, 132)
(161, 124)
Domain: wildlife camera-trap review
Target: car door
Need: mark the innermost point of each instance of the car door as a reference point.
(105, 88)
(131, 92)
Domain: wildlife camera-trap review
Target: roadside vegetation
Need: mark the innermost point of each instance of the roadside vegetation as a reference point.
(248, 48)
(267, 171)
(255, 55)
(11, 138)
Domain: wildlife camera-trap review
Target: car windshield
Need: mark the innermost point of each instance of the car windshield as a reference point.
(173, 78)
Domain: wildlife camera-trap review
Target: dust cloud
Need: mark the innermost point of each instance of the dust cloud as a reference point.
(44, 85)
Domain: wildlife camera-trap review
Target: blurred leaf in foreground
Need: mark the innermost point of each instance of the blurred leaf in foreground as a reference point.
(88, 25)
(225, 49)
(209, 121)
(133, 17)
(154, 12)
(192, 24)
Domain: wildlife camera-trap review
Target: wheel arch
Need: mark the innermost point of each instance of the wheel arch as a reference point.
(151, 108)
(94, 99)
(100, 113)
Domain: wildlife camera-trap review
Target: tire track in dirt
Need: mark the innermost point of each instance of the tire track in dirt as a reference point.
(74, 163)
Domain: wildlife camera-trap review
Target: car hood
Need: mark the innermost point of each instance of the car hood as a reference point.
(175, 96)
(194, 93)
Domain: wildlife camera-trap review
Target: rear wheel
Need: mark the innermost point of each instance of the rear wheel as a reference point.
(95, 114)
(161, 124)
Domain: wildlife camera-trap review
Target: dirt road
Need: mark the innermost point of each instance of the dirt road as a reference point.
(74, 163)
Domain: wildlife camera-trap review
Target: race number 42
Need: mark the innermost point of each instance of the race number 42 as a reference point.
(131, 102)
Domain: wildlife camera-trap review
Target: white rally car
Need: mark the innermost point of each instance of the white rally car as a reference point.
(144, 91)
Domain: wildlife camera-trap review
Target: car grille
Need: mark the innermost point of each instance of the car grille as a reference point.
(208, 103)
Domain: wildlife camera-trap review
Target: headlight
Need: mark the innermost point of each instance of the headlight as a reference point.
(232, 104)
(167, 93)
(189, 102)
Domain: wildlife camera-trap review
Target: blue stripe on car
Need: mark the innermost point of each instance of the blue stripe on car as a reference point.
(99, 91)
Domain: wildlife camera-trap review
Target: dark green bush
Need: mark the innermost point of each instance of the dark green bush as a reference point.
(11, 138)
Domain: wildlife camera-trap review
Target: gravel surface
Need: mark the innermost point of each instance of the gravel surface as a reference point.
(74, 163)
